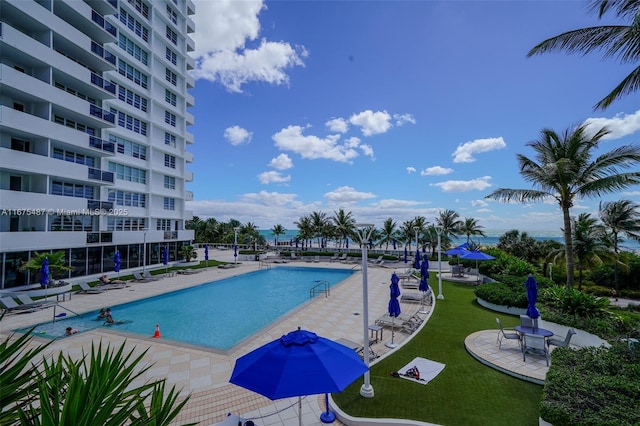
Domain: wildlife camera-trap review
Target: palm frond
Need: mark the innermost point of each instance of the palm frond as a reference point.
(630, 84)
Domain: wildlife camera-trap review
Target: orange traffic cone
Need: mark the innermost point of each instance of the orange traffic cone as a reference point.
(157, 333)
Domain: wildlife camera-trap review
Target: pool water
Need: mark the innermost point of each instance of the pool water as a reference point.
(219, 314)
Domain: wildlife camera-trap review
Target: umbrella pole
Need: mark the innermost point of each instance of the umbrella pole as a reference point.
(300, 411)
(391, 344)
(422, 308)
(327, 416)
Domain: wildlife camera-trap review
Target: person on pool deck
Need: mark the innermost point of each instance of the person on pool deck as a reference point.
(69, 331)
(105, 280)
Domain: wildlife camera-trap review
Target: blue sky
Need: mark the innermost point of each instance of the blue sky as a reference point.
(388, 108)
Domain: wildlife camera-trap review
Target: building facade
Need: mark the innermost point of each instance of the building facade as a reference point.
(93, 132)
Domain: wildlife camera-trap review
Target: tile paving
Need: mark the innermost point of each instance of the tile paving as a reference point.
(204, 373)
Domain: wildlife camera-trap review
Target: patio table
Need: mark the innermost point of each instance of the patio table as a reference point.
(537, 331)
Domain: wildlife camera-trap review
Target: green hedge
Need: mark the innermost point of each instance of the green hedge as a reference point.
(509, 290)
(593, 387)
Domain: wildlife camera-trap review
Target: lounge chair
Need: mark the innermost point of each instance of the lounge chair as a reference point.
(377, 261)
(28, 301)
(536, 345)
(343, 258)
(85, 288)
(137, 276)
(421, 297)
(148, 276)
(504, 335)
(316, 259)
(11, 306)
(334, 257)
(188, 271)
(409, 323)
(358, 347)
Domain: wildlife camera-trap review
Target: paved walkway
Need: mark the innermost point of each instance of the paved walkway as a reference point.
(205, 373)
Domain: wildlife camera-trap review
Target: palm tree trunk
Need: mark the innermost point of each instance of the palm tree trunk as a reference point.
(568, 246)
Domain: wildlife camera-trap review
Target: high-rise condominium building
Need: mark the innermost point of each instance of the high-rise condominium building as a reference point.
(93, 132)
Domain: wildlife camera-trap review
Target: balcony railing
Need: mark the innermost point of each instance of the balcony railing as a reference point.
(171, 235)
(113, 3)
(107, 146)
(98, 19)
(103, 84)
(96, 111)
(99, 237)
(102, 175)
(99, 205)
(106, 55)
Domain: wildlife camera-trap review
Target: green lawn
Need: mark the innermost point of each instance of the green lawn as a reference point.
(466, 392)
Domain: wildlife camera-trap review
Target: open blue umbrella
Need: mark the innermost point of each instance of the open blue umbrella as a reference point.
(297, 364)
(394, 306)
(44, 276)
(116, 263)
(416, 262)
(532, 296)
(458, 250)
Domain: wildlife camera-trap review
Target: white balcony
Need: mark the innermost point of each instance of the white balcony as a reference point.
(18, 241)
(188, 176)
(188, 157)
(32, 201)
(188, 195)
(188, 117)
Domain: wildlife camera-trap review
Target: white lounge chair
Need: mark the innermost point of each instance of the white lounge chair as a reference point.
(148, 276)
(137, 276)
(28, 301)
(85, 288)
(421, 297)
(11, 306)
(377, 261)
(409, 323)
(334, 257)
(343, 258)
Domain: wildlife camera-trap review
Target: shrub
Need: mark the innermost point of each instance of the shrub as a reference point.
(593, 386)
(509, 290)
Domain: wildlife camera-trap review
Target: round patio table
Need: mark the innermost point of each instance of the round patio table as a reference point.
(537, 331)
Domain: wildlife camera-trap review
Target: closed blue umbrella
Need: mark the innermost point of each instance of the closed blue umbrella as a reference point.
(424, 282)
(297, 364)
(206, 255)
(406, 255)
(165, 258)
(416, 262)
(297, 242)
(532, 296)
(370, 243)
(394, 244)
(347, 245)
(116, 263)
(44, 276)
(394, 306)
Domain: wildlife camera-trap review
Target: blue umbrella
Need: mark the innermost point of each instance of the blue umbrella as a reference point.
(297, 242)
(458, 250)
(297, 364)
(424, 270)
(405, 255)
(347, 242)
(532, 296)
(44, 276)
(394, 244)
(235, 252)
(394, 305)
(370, 243)
(416, 262)
(424, 281)
(206, 252)
(117, 262)
(165, 258)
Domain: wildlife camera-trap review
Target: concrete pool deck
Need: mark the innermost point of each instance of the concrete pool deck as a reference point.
(205, 373)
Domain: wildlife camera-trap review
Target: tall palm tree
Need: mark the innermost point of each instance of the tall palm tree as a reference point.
(305, 228)
(620, 41)
(588, 243)
(344, 223)
(388, 232)
(318, 222)
(278, 230)
(450, 223)
(565, 171)
(620, 218)
(58, 263)
(421, 223)
(470, 227)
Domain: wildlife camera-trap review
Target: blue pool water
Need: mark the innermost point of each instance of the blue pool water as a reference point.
(218, 314)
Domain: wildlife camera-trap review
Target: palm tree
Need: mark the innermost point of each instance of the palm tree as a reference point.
(344, 223)
(621, 41)
(471, 227)
(421, 223)
(305, 228)
(58, 263)
(620, 218)
(450, 223)
(565, 171)
(278, 230)
(388, 232)
(318, 221)
(588, 243)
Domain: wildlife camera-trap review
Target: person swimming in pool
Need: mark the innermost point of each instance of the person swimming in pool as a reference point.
(69, 331)
(102, 314)
(109, 319)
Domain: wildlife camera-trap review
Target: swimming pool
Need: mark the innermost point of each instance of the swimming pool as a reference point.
(219, 314)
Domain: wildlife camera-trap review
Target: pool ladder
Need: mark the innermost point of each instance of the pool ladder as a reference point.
(321, 287)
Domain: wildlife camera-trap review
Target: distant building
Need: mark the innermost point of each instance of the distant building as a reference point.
(93, 132)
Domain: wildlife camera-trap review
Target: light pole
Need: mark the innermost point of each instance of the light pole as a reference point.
(144, 250)
(439, 232)
(551, 271)
(364, 233)
(416, 229)
(235, 245)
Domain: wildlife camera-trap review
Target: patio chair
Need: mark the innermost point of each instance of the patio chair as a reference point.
(502, 334)
(526, 321)
(561, 343)
(377, 261)
(85, 288)
(148, 276)
(11, 306)
(41, 304)
(343, 258)
(334, 257)
(422, 297)
(534, 344)
(137, 276)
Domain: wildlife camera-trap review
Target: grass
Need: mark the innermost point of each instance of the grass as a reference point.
(466, 392)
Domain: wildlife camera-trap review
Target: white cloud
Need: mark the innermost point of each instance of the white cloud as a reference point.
(366, 150)
(631, 193)
(314, 147)
(392, 203)
(237, 135)
(281, 162)
(464, 153)
(372, 123)
(347, 194)
(411, 169)
(223, 28)
(337, 125)
(479, 203)
(477, 184)
(273, 177)
(621, 125)
(436, 171)
(269, 198)
(403, 119)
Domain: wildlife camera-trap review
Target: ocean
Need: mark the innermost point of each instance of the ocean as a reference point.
(490, 240)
